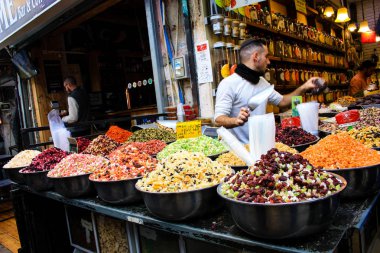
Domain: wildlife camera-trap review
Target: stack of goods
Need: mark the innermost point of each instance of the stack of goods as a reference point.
(346, 101)
(369, 136)
(369, 117)
(231, 159)
(340, 151)
(77, 164)
(280, 177)
(82, 143)
(101, 145)
(184, 171)
(293, 136)
(150, 147)
(45, 161)
(149, 134)
(126, 162)
(22, 159)
(203, 144)
(169, 129)
(118, 134)
(368, 100)
(328, 127)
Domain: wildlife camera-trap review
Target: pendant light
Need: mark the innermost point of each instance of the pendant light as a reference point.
(352, 27)
(363, 27)
(342, 15)
(329, 11)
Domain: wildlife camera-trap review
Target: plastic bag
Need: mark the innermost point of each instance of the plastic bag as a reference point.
(58, 131)
(347, 118)
(289, 122)
(262, 133)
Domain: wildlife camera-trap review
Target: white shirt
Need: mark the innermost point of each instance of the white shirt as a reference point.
(73, 111)
(234, 93)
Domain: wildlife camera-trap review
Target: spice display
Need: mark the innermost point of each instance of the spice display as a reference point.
(101, 145)
(169, 129)
(203, 144)
(112, 234)
(22, 159)
(47, 160)
(184, 171)
(77, 164)
(82, 143)
(280, 177)
(293, 136)
(369, 136)
(328, 127)
(118, 134)
(150, 147)
(369, 117)
(231, 159)
(149, 134)
(368, 100)
(346, 100)
(340, 151)
(125, 163)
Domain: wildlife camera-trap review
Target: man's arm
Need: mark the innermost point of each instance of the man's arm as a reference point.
(73, 111)
(287, 99)
(229, 122)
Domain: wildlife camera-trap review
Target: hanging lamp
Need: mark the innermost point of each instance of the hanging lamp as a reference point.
(329, 11)
(342, 15)
(352, 27)
(363, 27)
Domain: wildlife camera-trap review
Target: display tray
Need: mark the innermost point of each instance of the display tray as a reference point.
(221, 229)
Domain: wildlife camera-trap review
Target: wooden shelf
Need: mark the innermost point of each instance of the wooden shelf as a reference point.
(292, 36)
(293, 87)
(315, 64)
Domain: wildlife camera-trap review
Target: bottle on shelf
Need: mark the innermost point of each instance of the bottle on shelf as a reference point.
(274, 20)
(267, 17)
(253, 14)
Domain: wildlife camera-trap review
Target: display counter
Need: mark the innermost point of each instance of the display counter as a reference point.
(353, 229)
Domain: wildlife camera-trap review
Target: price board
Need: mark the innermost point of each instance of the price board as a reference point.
(189, 129)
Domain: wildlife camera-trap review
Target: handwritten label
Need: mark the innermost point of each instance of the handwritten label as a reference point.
(203, 59)
(73, 148)
(300, 6)
(189, 129)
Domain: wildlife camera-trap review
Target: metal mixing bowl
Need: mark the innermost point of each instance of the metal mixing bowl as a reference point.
(284, 220)
(38, 181)
(74, 186)
(14, 175)
(239, 168)
(182, 205)
(361, 182)
(304, 146)
(118, 192)
(214, 156)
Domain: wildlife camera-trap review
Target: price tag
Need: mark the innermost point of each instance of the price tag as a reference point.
(189, 129)
(73, 145)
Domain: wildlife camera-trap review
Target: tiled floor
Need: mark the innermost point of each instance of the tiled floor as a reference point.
(9, 240)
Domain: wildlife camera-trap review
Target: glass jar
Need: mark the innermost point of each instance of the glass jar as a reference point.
(297, 76)
(309, 53)
(217, 24)
(267, 75)
(235, 29)
(304, 53)
(274, 21)
(242, 33)
(279, 49)
(273, 79)
(253, 14)
(271, 46)
(230, 55)
(280, 23)
(287, 76)
(280, 77)
(227, 27)
(221, 67)
(292, 77)
(267, 18)
(297, 52)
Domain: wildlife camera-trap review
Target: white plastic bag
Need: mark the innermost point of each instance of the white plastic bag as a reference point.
(262, 131)
(58, 131)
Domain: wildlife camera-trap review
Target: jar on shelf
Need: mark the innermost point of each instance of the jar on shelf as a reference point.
(297, 76)
(230, 55)
(221, 67)
(273, 78)
(237, 54)
(309, 54)
(253, 14)
(292, 77)
(274, 21)
(217, 24)
(280, 76)
(280, 23)
(242, 32)
(267, 18)
(279, 48)
(271, 46)
(304, 53)
(287, 76)
(227, 26)
(235, 33)
(301, 76)
(267, 75)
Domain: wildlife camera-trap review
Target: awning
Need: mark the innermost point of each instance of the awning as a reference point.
(20, 19)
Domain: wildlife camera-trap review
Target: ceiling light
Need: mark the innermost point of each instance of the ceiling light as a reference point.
(363, 27)
(342, 15)
(352, 27)
(329, 11)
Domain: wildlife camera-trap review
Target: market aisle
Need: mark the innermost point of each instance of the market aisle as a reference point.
(8, 230)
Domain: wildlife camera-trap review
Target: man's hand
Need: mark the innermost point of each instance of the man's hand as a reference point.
(310, 84)
(63, 113)
(242, 116)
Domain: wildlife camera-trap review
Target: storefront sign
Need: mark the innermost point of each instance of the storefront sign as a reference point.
(15, 14)
(300, 6)
(189, 129)
(241, 3)
(203, 59)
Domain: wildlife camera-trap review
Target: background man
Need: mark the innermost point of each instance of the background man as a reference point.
(359, 82)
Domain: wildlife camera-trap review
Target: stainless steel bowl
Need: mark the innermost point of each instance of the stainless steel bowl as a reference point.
(361, 182)
(304, 146)
(118, 192)
(182, 205)
(74, 186)
(14, 175)
(214, 156)
(376, 148)
(38, 181)
(284, 220)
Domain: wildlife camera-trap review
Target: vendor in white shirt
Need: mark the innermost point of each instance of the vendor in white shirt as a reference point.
(78, 107)
(234, 92)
